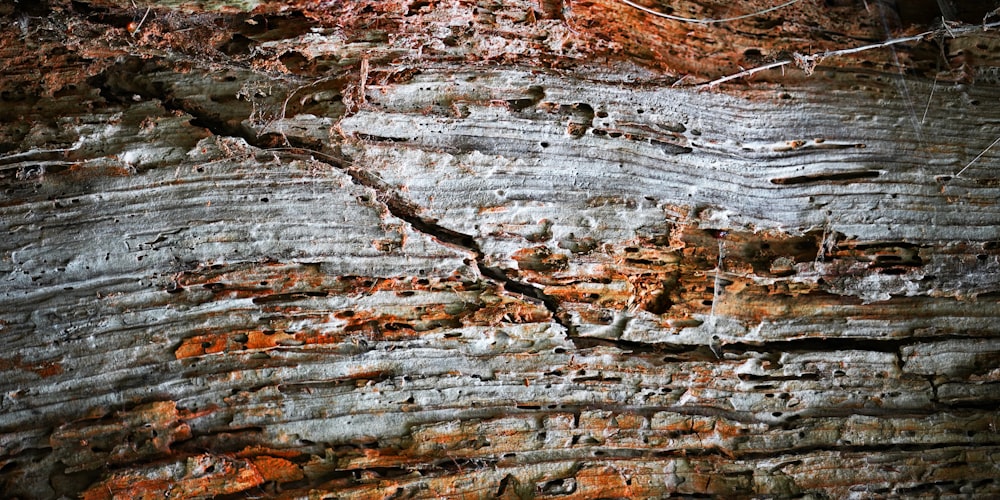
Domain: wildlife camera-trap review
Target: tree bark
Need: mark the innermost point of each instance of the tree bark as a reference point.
(519, 249)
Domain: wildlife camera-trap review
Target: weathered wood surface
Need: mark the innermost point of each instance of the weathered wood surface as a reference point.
(449, 249)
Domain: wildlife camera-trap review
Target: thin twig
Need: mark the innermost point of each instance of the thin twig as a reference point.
(745, 73)
(135, 32)
(929, 97)
(808, 61)
(980, 155)
(33, 154)
(705, 21)
(901, 80)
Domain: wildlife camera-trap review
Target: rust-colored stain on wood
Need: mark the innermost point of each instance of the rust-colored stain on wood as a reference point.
(43, 369)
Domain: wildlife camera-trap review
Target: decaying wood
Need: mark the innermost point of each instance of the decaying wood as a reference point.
(441, 249)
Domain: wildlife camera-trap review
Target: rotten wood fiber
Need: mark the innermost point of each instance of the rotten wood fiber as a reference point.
(231, 268)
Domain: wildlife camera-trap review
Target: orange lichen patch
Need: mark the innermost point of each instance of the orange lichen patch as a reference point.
(276, 283)
(744, 275)
(631, 421)
(44, 369)
(452, 312)
(200, 345)
(493, 437)
(126, 487)
(729, 430)
(636, 479)
(263, 339)
(277, 469)
(365, 285)
(201, 476)
(699, 375)
(258, 450)
(606, 482)
(434, 311)
(218, 340)
(594, 289)
(375, 489)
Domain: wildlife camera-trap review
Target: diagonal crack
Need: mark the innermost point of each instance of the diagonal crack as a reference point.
(112, 86)
(408, 211)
